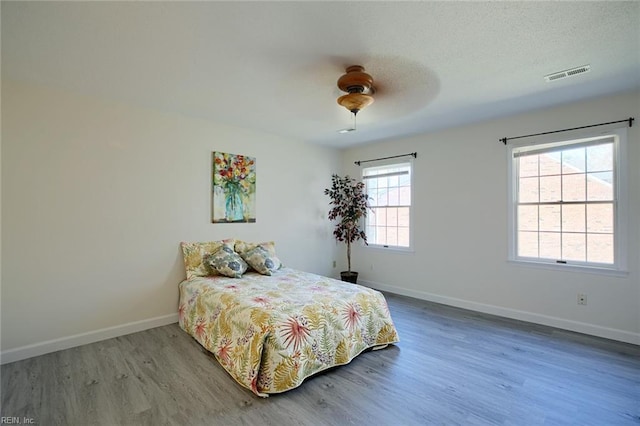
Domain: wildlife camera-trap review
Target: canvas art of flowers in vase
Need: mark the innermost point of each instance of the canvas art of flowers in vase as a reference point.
(234, 188)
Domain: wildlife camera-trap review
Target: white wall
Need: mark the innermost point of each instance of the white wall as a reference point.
(97, 196)
(460, 228)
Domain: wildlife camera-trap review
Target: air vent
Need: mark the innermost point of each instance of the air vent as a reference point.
(567, 73)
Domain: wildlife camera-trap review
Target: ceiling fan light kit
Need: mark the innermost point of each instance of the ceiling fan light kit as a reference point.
(359, 87)
(354, 102)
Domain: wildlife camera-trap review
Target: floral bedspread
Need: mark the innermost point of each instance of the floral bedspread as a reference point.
(272, 332)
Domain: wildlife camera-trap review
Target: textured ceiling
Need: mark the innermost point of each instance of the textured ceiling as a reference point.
(273, 66)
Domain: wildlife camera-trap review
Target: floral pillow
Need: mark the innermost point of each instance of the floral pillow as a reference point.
(194, 254)
(227, 262)
(243, 246)
(261, 260)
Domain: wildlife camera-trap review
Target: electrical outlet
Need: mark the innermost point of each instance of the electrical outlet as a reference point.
(582, 299)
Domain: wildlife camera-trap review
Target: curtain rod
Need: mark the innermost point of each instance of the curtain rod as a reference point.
(413, 154)
(629, 120)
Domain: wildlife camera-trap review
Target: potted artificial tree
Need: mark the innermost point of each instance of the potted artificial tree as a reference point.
(349, 203)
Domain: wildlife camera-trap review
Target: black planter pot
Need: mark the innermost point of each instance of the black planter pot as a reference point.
(349, 276)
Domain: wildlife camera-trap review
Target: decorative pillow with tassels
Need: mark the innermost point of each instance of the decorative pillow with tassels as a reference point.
(227, 262)
(261, 260)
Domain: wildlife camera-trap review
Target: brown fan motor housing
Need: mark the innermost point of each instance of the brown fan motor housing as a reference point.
(359, 86)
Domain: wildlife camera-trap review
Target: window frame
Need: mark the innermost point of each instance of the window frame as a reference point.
(620, 202)
(388, 164)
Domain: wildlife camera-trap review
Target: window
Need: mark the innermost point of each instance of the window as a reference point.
(567, 202)
(389, 186)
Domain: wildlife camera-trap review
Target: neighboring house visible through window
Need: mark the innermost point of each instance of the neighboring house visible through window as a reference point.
(389, 186)
(567, 202)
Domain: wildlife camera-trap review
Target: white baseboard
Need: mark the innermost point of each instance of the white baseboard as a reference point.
(54, 345)
(48, 346)
(580, 327)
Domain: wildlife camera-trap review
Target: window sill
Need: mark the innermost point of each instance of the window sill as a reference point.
(393, 249)
(570, 268)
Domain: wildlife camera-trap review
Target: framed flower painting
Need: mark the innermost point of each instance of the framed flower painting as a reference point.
(234, 188)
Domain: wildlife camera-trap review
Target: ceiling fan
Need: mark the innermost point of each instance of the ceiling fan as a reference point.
(359, 87)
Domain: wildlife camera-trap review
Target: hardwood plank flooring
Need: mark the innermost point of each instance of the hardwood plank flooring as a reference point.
(451, 367)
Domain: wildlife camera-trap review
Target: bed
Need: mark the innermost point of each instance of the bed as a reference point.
(272, 331)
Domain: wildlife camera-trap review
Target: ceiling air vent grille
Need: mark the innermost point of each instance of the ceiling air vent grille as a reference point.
(567, 73)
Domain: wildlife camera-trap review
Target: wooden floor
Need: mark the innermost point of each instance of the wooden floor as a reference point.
(451, 367)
